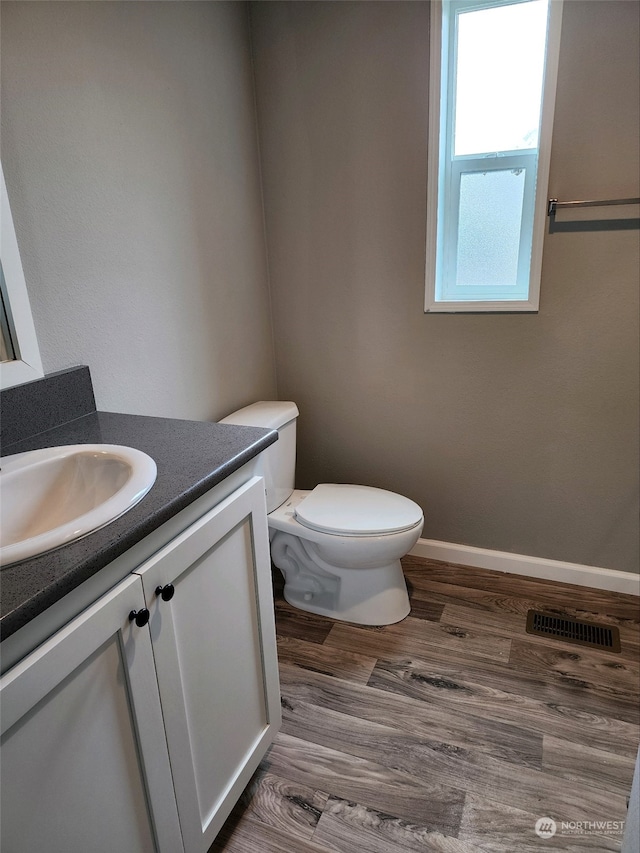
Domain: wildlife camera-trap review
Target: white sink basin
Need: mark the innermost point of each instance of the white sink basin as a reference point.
(53, 496)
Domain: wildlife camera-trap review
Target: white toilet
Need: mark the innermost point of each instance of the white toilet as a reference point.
(338, 546)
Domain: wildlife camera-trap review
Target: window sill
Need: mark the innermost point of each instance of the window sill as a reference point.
(493, 307)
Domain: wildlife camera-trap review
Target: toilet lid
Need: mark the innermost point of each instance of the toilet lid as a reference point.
(357, 510)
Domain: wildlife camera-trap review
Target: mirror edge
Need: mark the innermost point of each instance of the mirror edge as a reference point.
(28, 365)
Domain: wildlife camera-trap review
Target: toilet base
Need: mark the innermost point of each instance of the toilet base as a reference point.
(364, 596)
(384, 609)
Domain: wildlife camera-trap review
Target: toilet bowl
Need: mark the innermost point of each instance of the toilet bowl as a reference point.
(338, 546)
(343, 573)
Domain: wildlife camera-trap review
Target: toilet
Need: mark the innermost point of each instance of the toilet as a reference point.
(337, 546)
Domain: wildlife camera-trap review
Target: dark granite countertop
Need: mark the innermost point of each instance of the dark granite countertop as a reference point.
(192, 457)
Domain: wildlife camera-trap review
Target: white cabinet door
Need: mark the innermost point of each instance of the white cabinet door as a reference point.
(215, 653)
(84, 758)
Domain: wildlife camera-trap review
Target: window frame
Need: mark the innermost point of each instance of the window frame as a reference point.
(26, 364)
(436, 212)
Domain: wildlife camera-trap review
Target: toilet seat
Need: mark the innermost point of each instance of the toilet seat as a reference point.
(357, 511)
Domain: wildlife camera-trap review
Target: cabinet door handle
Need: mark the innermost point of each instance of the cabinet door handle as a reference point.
(165, 592)
(141, 617)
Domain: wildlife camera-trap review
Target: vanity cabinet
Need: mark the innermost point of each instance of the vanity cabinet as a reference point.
(119, 736)
(215, 653)
(84, 758)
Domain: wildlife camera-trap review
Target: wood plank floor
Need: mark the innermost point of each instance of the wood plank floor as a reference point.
(451, 731)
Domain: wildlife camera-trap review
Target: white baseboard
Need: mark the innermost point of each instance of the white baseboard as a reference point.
(533, 567)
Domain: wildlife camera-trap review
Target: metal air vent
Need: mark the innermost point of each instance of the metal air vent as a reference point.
(573, 631)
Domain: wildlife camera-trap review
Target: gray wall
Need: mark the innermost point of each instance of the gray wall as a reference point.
(130, 154)
(513, 432)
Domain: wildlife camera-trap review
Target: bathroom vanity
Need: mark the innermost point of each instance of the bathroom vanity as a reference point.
(140, 686)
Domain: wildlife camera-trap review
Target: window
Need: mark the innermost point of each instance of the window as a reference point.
(493, 73)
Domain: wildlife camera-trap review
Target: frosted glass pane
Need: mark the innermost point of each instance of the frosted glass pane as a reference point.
(499, 73)
(490, 216)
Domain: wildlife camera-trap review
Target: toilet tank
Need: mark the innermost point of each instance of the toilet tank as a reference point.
(278, 462)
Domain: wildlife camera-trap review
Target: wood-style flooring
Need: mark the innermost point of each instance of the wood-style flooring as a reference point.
(451, 731)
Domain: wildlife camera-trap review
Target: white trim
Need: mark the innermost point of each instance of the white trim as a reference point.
(433, 149)
(28, 365)
(549, 89)
(533, 567)
(501, 306)
(434, 212)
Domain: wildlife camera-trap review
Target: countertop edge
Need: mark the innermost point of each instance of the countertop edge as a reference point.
(55, 589)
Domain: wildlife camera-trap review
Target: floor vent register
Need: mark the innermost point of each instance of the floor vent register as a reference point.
(590, 634)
